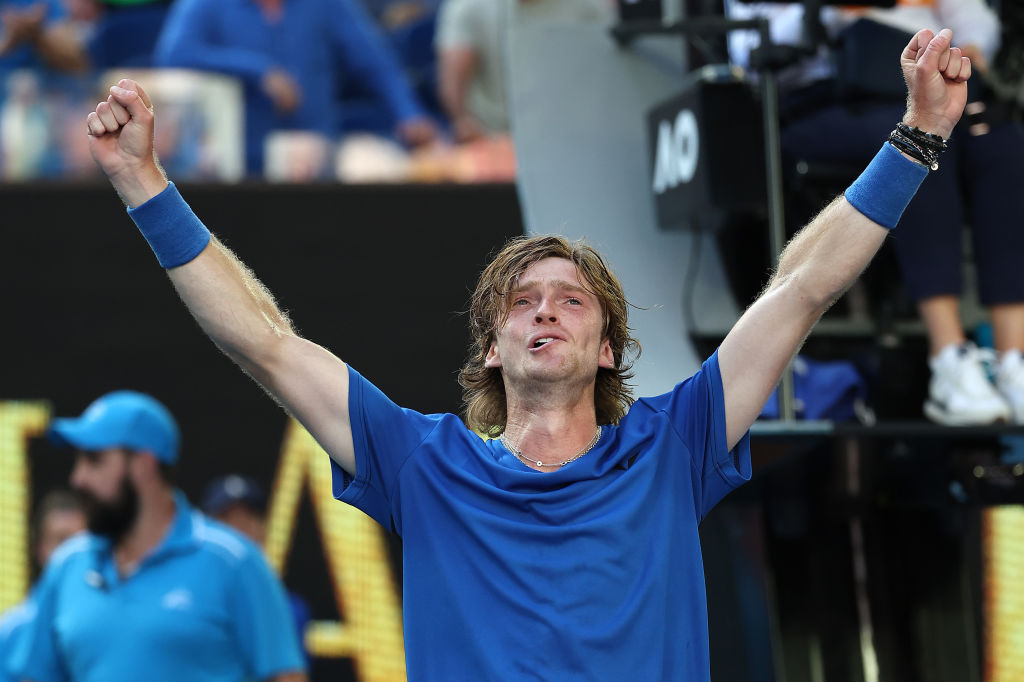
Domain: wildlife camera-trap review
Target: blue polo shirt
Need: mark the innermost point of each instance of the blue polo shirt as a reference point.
(204, 606)
(12, 627)
(320, 43)
(591, 572)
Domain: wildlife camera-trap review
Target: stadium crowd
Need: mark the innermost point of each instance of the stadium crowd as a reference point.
(301, 78)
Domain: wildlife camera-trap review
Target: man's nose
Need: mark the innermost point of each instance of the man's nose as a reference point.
(546, 311)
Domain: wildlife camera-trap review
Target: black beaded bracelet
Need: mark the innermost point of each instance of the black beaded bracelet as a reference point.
(923, 147)
(921, 138)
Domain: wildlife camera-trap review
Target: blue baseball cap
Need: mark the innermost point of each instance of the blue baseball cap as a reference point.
(122, 419)
(226, 491)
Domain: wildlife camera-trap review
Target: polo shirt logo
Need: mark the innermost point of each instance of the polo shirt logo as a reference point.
(179, 599)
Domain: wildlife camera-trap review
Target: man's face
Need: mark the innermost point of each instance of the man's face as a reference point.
(56, 527)
(240, 517)
(554, 328)
(109, 496)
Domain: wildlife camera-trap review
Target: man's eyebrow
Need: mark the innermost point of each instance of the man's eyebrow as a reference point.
(556, 283)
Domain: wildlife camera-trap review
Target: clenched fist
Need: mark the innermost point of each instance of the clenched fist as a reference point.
(121, 142)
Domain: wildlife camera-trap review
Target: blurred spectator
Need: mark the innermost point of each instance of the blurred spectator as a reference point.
(241, 503)
(470, 43)
(838, 116)
(154, 590)
(291, 57)
(37, 33)
(125, 32)
(58, 516)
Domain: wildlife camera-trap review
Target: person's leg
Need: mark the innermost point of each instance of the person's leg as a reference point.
(928, 244)
(1008, 326)
(994, 172)
(941, 317)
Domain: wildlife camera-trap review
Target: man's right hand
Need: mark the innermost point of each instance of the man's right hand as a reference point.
(282, 90)
(121, 142)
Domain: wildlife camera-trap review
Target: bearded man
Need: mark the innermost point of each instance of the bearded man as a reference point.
(154, 590)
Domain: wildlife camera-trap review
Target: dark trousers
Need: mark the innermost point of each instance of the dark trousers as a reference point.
(980, 180)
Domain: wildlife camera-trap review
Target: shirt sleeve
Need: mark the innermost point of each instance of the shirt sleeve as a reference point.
(263, 621)
(34, 654)
(55, 12)
(696, 410)
(369, 58)
(455, 25)
(188, 40)
(384, 436)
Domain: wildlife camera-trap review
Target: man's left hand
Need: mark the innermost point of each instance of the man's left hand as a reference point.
(417, 131)
(936, 76)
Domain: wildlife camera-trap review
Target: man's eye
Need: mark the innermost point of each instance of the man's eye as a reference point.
(575, 301)
(521, 301)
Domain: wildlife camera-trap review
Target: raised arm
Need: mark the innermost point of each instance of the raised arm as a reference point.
(826, 256)
(230, 304)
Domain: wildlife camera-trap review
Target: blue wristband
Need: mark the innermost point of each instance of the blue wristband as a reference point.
(886, 186)
(173, 231)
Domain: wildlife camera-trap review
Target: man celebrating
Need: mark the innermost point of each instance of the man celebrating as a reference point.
(566, 549)
(155, 590)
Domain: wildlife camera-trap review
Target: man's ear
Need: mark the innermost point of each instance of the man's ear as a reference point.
(605, 357)
(493, 359)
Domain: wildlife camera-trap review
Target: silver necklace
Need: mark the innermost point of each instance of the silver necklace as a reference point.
(518, 453)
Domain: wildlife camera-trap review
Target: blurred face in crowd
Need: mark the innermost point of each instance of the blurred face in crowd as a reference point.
(56, 527)
(244, 519)
(103, 480)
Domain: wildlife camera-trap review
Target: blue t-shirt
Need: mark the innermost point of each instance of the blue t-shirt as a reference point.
(204, 606)
(590, 572)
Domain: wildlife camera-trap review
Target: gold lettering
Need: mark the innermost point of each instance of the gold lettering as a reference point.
(357, 559)
(18, 422)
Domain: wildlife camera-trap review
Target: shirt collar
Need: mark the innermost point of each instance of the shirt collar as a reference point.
(181, 537)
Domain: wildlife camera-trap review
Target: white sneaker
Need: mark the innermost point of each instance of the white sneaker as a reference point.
(1010, 382)
(960, 392)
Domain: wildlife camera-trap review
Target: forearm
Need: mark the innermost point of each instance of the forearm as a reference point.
(233, 307)
(456, 73)
(230, 304)
(827, 256)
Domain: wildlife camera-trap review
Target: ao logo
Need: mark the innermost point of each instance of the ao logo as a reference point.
(678, 147)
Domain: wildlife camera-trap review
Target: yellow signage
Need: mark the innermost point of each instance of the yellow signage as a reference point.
(1003, 550)
(357, 558)
(18, 422)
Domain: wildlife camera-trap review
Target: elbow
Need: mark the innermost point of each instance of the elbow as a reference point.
(813, 295)
(258, 353)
